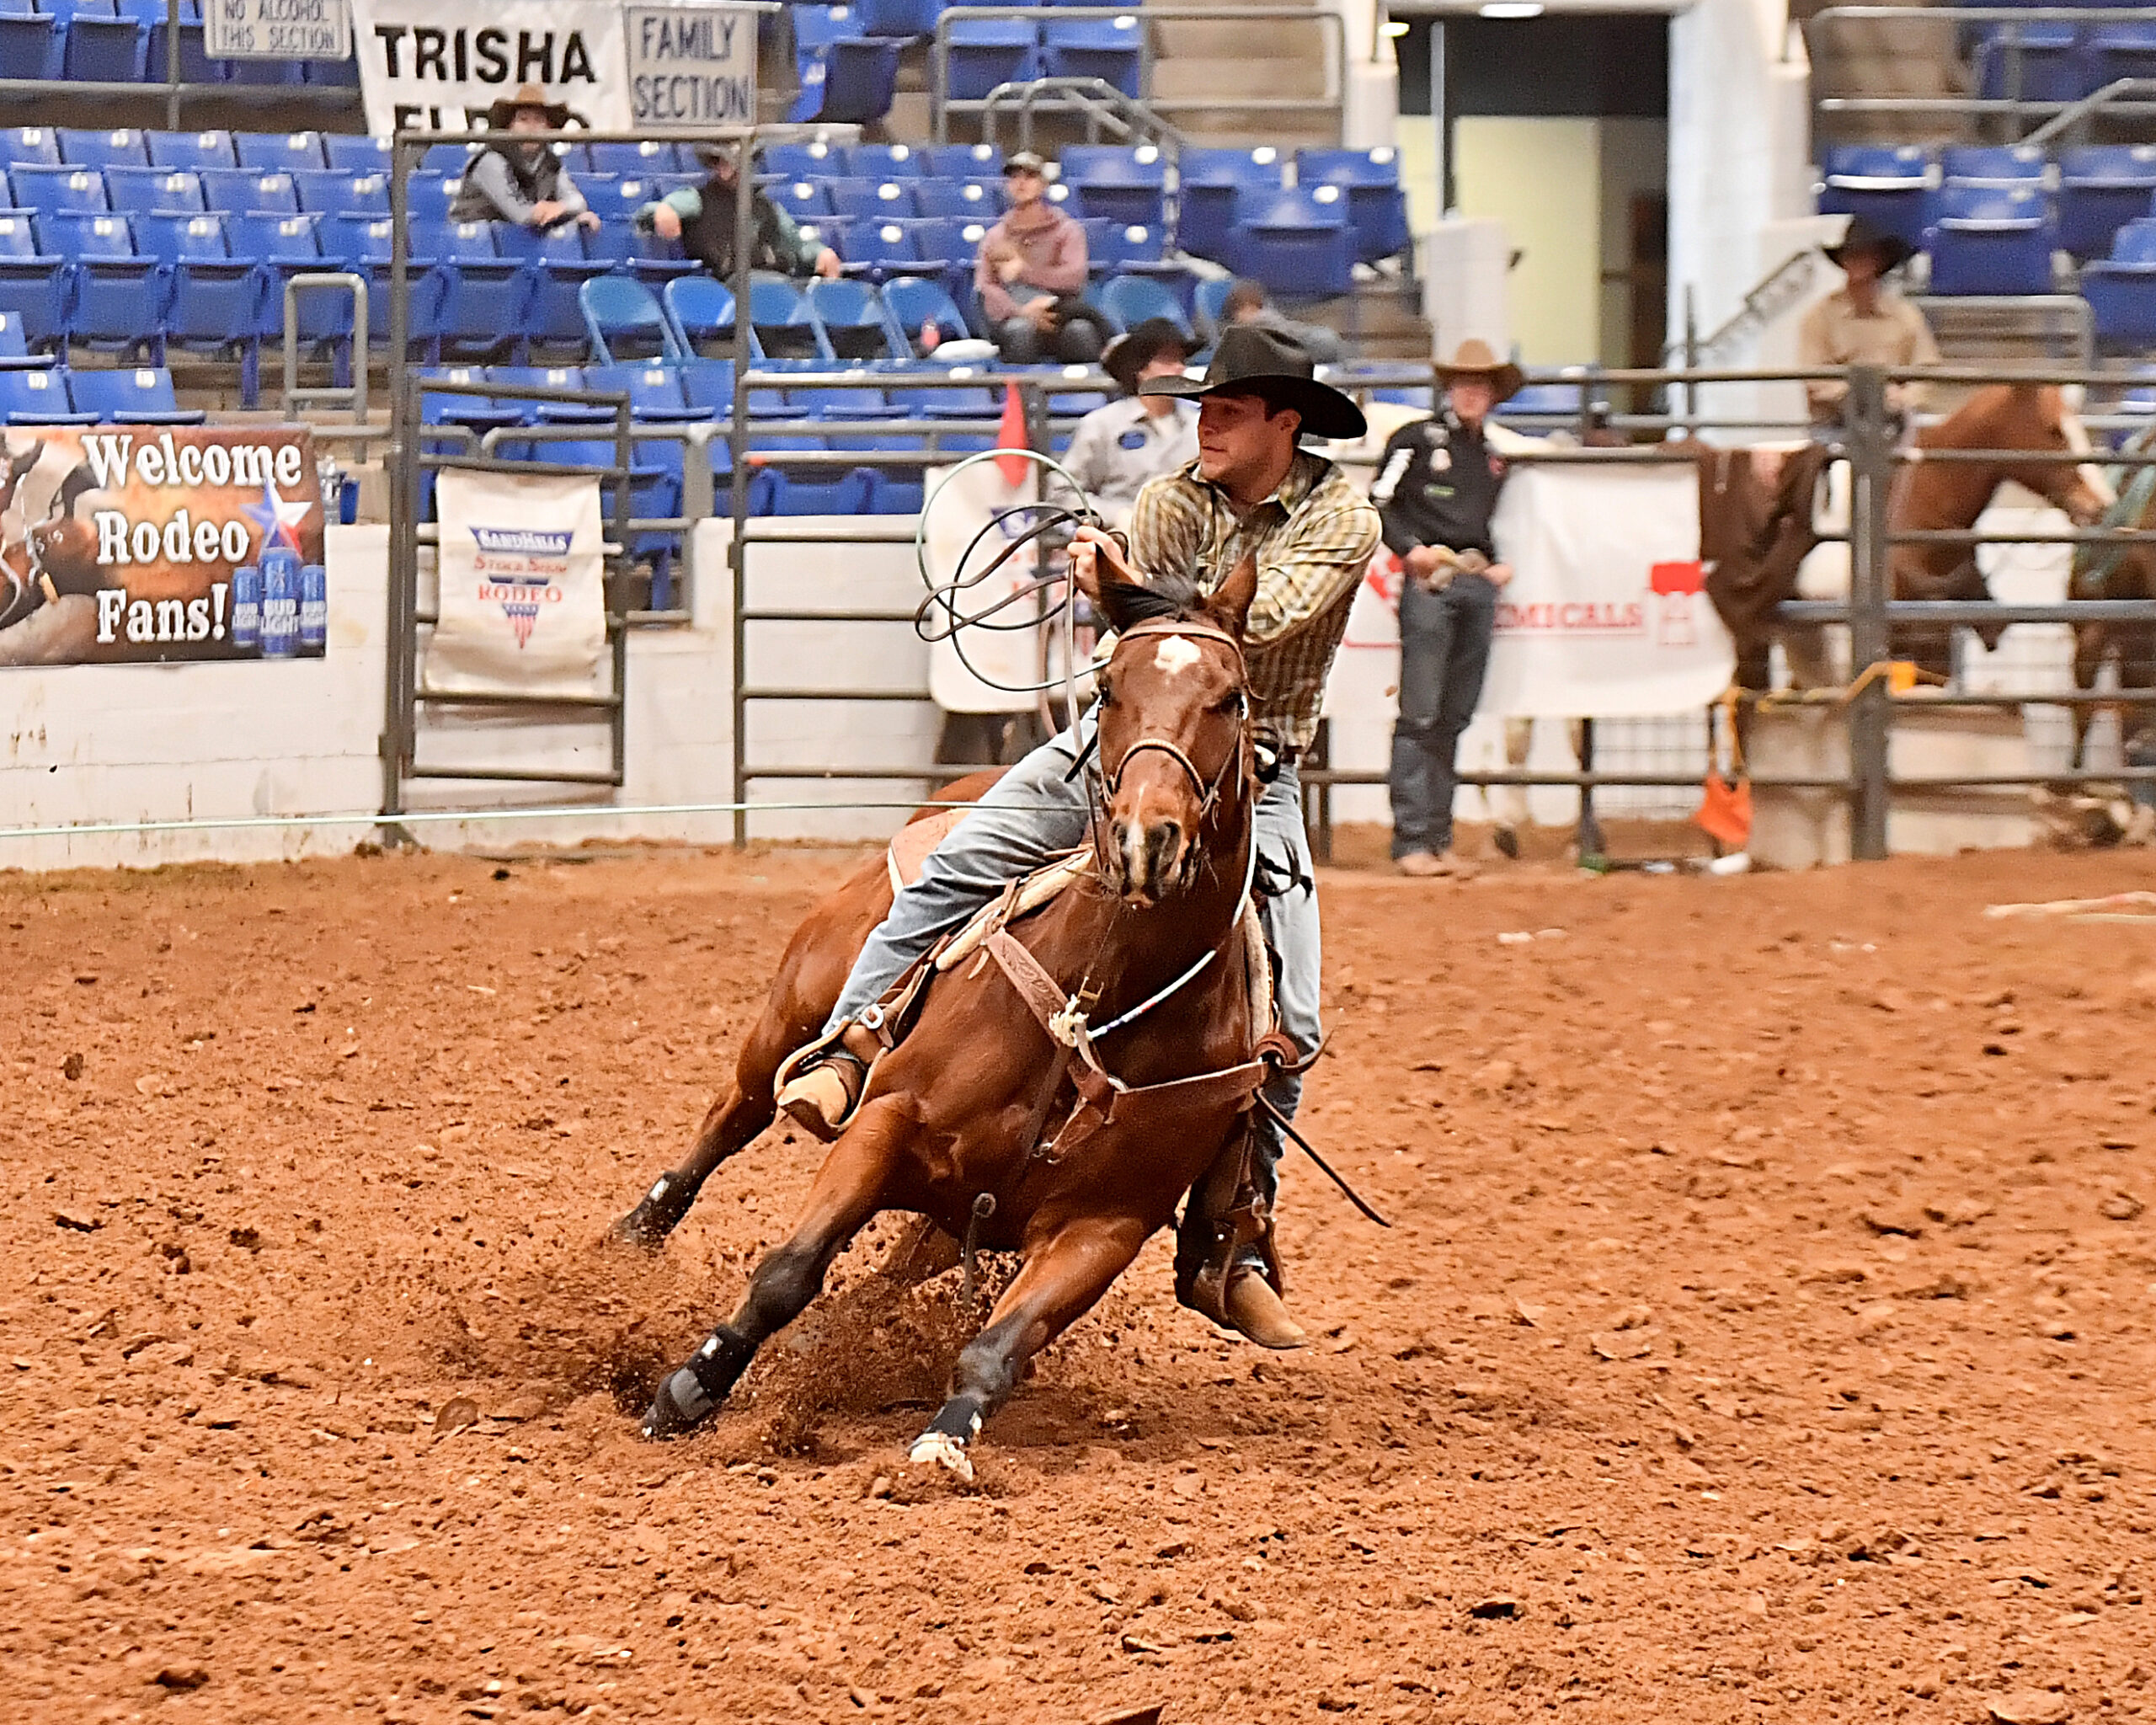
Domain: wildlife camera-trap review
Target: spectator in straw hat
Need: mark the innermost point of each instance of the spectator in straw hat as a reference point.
(1436, 491)
(1864, 323)
(1119, 447)
(518, 179)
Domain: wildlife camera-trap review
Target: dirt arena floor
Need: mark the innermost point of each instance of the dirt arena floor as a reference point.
(1767, 1331)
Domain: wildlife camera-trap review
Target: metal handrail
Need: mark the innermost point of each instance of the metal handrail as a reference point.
(1330, 21)
(1095, 98)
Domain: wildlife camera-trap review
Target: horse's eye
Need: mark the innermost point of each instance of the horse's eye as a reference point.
(1106, 692)
(1232, 701)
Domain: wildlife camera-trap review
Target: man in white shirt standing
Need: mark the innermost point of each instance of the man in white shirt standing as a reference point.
(1135, 438)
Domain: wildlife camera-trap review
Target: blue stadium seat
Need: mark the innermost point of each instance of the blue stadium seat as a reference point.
(804, 200)
(31, 146)
(1118, 248)
(15, 348)
(988, 51)
(49, 190)
(280, 152)
(962, 161)
(1109, 48)
(709, 385)
(851, 82)
(869, 200)
(1993, 164)
(849, 317)
(357, 153)
(1377, 205)
(1297, 243)
(431, 197)
(247, 190)
(558, 260)
(911, 303)
(626, 322)
(1209, 180)
(1118, 182)
(814, 160)
(286, 246)
(1992, 239)
(654, 390)
(102, 47)
(882, 162)
(1886, 184)
(882, 249)
(323, 191)
(780, 323)
(2101, 188)
(130, 395)
(214, 304)
(39, 398)
(904, 18)
(116, 296)
(33, 283)
(28, 43)
(966, 200)
(488, 303)
(616, 201)
(102, 149)
(2037, 62)
(2121, 289)
(451, 159)
(801, 490)
(1130, 300)
(190, 152)
(362, 244)
(2127, 49)
(146, 190)
(645, 157)
(194, 66)
(1210, 299)
(701, 312)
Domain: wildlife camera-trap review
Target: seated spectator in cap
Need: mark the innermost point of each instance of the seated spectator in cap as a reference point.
(702, 218)
(1030, 271)
(1118, 448)
(521, 181)
(1246, 303)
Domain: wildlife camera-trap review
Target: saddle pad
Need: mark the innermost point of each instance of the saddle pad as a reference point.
(911, 844)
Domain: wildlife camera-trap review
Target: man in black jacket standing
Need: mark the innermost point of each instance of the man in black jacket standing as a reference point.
(1436, 491)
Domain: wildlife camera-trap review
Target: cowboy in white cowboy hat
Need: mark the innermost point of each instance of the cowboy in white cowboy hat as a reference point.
(1864, 323)
(518, 178)
(1252, 491)
(1436, 491)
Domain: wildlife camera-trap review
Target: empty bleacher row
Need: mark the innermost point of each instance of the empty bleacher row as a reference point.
(2052, 60)
(123, 41)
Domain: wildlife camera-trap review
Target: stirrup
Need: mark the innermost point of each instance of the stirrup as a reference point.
(820, 1084)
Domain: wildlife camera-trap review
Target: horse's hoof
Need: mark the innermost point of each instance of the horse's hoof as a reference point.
(681, 1406)
(651, 1221)
(943, 1449)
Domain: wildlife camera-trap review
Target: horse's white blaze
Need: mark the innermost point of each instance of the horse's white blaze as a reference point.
(1175, 655)
(2091, 475)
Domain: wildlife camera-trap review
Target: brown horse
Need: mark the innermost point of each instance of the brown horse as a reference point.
(2005, 417)
(2116, 572)
(953, 1123)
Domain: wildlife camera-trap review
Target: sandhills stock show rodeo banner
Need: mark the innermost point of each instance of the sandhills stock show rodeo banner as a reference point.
(149, 544)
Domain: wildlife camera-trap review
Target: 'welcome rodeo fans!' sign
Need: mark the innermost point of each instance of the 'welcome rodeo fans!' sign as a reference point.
(145, 544)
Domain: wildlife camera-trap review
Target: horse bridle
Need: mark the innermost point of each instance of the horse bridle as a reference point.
(1209, 791)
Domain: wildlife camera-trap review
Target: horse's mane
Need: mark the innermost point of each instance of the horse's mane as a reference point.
(1175, 597)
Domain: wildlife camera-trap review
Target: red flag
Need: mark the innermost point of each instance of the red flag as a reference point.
(1011, 434)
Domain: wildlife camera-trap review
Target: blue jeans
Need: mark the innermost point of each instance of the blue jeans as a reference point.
(1031, 815)
(1444, 649)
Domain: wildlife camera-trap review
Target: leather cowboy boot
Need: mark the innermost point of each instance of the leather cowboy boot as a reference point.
(1226, 1265)
(819, 1086)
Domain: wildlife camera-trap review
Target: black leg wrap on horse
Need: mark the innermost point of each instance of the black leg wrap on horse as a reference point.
(959, 1417)
(692, 1393)
(660, 1213)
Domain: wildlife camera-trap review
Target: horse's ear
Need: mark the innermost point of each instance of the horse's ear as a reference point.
(1126, 603)
(1228, 603)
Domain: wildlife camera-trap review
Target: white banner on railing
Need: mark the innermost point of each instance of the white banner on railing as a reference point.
(439, 65)
(963, 508)
(523, 606)
(1605, 615)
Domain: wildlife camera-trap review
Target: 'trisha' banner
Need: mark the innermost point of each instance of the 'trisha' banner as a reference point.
(439, 65)
(523, 586)
(148, 544)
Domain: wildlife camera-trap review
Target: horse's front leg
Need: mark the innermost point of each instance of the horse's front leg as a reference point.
(848, 1191)
(1060, 1281)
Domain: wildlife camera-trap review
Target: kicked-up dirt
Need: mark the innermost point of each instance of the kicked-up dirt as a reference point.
(1765, 1331)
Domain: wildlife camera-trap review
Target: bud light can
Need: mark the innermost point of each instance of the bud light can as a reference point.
(247, 608)
(281, 603)
(314, 608)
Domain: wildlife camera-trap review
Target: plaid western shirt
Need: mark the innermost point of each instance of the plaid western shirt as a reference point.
(1313, 538)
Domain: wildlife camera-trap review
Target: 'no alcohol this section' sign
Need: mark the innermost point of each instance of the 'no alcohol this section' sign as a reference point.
(276, 29)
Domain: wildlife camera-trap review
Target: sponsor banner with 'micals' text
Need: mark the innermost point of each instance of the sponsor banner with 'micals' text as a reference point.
(439, 65)
(1606, 613)
(523, 604)
(147, 544)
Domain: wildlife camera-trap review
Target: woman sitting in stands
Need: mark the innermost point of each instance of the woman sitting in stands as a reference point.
(522, 182)
(702, 218)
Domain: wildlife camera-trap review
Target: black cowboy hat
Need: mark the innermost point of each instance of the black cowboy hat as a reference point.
(1130, 354)
(1251, 360)
(1862, 236)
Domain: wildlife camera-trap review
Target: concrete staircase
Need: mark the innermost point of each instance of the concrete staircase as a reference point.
(1197, 60)
(1887, 57)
